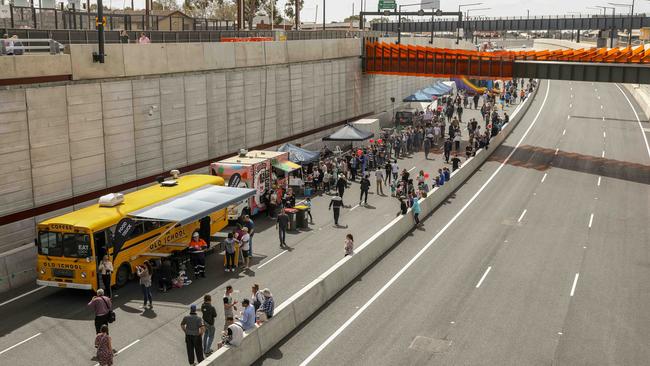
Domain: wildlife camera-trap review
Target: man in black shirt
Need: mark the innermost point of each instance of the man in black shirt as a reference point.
(455, 163)
(365, 187)
(282, 224)
(209, 314)
(336, 203)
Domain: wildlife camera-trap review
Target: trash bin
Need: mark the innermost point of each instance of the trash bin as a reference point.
(291, 212)
(301, 217)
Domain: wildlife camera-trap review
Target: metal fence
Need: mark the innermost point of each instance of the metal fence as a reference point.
(87, 36)
(55, 19)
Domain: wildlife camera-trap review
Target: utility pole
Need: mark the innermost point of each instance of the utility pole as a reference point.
(297, 14)
(323, 14)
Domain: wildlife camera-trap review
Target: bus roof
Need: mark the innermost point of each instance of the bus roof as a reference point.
(96, 218)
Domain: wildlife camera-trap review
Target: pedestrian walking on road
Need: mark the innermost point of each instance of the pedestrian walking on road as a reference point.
(455, 162)
(193, 327)
(104, 346)
(427, 148)
(365, 187)
(144, 272)
(447, 149)
(282, 224)
(308, 204)
(105, 268)
(349, 245)
(387, 168)
(102, 306)
(415, 207)
(341, 184)
(209, 313)
(379, 180)
(335, 204)
(229, 305)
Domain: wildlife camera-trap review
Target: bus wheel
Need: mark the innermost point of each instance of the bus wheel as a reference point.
(123, 275)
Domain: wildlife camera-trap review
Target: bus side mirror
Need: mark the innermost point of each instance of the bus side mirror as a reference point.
(35, 242)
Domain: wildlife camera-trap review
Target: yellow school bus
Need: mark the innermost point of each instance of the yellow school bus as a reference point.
(163, 217)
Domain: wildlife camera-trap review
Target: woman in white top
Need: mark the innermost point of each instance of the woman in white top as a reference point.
(105, 269)
(245, 246)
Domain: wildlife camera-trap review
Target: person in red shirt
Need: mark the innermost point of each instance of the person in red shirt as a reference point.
(197, 249)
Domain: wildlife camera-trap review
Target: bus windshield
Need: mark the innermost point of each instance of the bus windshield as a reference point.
(53, 244)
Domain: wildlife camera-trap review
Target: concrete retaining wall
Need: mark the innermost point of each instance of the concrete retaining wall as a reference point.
(642, 95)
(29, 66)
(298, 308)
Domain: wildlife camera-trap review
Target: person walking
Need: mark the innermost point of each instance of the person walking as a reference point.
(379, 180)
(349, 245)
(415, 207)
(282, 224)
(197, 254)
(209, 313)
(341, 184)
(388, 167)
(248, 222)
(144, 272)
(335, 204)
(394, 170)
(245, 247)
(102, 307)
(447, 149)
(104, 346)
(308, 205)
(427, 147)
(229, 305)
(230, 244)
(365, 187)
(455, 162)
(193, 327)
(105, 269)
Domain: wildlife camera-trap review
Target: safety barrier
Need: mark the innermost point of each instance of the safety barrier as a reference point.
(303, 304)
(53, 47)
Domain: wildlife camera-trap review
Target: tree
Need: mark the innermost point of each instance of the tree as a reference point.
(225, 10)
(197, 8)
(164, 5)
(289, 9)
(379, 20)
(251, 7)
(351, 19)
(277, 13)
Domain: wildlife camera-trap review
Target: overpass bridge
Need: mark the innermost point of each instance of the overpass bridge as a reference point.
(626, 65)
(549, 23)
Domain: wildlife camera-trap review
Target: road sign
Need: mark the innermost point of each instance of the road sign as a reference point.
(387, 4)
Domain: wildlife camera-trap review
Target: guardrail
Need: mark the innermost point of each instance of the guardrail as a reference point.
(13, 46)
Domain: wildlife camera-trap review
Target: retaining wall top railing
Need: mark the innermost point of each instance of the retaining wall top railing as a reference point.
(16, 46)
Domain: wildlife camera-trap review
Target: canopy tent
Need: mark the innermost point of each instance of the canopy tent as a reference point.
(285, 166)
(193, 205)
(419, 96)
(437, 89)
(349, 133)
(299, 155)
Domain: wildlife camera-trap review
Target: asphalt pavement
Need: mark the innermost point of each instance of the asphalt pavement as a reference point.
(540, 258)
(54, 326)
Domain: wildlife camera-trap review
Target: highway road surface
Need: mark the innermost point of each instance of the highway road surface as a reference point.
(541, 258)
(53, 326)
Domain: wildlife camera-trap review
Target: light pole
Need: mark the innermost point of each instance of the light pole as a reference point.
(597, 7)
(460, 20)
(467, 17)
(631, 6)
(399, 21)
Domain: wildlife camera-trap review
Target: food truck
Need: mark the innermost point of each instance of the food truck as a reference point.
(253, 169)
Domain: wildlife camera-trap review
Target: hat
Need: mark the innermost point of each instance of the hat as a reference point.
(192, 308)
(195, 234)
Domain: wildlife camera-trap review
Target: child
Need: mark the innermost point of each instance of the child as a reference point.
(349, 245)
(393, 188)
(308, 204)
(402, 205)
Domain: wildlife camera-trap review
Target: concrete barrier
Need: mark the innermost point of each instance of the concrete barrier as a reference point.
(17, 267)
(32, 66)
(641, 94)
(299, 307)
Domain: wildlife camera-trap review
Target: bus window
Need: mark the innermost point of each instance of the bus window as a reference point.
(67, 245)
(151, 225)
(137, 230)
(49, 243)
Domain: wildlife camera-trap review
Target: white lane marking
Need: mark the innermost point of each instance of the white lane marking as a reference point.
(571, 95)
(637, 119)
(568, 117)
(411, 169)
(602, 155)
(426, 247)
(591, 220)
(23, 295)
(354, 207)
(599, 97)
(484, 275)
(599, 181)
(19, 343)
(556, 150)
(596, 90)
(571, 105)
(544, 177)
(522, 215)
(564, 132)
(575, 282)
(604, 134)
(272, 259)
(571, 88)
(124, 348)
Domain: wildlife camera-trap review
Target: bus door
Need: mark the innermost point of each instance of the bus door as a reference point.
(100, 249)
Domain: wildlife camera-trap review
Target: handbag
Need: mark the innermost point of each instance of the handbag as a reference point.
(111, 313)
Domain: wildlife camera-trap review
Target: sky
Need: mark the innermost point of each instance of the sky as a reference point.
(337, 10)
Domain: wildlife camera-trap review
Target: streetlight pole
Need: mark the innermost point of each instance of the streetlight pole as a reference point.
(324, 15)
(611, 31)
(460, 19)
(631, 6)
(399, 21)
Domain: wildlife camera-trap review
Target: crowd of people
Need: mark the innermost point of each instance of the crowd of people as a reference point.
(435, 130)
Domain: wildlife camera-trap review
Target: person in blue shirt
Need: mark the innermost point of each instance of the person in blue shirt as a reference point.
(447, 174)
(441, 177)
(247, 320)
(415, 207)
